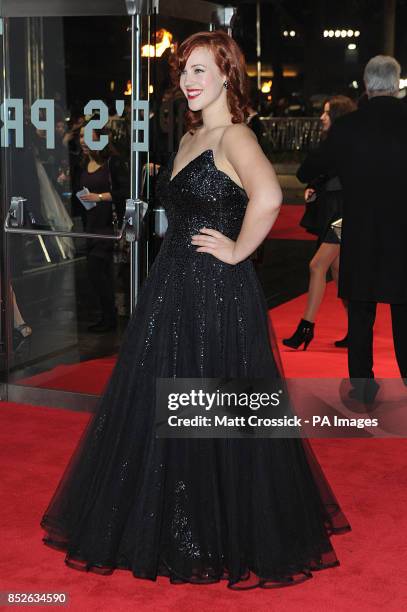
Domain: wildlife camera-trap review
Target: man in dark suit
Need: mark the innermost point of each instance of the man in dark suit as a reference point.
(368, 150)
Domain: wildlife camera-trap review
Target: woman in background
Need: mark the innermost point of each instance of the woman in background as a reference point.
(105, 175)
(328, 191)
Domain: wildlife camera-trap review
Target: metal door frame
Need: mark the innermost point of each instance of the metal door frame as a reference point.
(195, 10)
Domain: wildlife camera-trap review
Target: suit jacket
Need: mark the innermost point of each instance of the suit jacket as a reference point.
(367, 149)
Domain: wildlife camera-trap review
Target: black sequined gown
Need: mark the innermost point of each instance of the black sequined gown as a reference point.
(256, 512)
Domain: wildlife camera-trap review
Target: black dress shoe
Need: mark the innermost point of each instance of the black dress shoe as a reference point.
(342, 343)
(302, 335)
(365, 393)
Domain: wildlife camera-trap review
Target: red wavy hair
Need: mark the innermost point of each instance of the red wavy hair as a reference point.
(230, 61)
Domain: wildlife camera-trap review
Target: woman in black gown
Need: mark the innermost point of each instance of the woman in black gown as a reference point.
(256, 512)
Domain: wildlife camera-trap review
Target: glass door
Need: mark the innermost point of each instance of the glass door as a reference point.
(162, 30)
(86, 110)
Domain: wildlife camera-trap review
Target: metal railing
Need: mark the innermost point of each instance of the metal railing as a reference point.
(291, 133)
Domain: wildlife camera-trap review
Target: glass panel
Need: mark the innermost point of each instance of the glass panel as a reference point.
(61, 72)
(161, 34)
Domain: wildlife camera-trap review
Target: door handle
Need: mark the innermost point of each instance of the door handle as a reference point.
(14, 223)
(16, 212)
(160, 221)
(135, 211)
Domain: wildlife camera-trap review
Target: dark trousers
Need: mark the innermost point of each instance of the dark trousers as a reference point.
(361, 317)
(100, 274)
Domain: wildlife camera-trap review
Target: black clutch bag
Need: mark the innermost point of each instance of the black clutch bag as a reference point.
(311, 219)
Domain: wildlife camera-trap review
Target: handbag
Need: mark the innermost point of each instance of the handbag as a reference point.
(311, 217)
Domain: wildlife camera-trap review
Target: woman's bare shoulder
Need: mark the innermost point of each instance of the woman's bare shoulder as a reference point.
(238, 139)
(185, 138)
(238, 133)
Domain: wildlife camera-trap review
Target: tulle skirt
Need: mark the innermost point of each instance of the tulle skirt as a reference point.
(254, 512)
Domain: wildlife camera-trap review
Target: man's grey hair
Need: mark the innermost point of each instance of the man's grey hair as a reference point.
(382, 74)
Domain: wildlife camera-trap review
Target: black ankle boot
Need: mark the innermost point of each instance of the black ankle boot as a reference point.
(302, 335)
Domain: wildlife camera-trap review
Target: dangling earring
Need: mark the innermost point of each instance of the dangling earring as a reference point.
(225, 84)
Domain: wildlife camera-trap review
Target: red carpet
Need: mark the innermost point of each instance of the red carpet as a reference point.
(368, 476)
(84, 377)
(287, 225)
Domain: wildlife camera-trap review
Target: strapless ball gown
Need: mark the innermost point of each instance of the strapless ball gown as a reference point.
(255, 512)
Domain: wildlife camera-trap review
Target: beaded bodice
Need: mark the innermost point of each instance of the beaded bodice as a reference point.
(199, 195)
